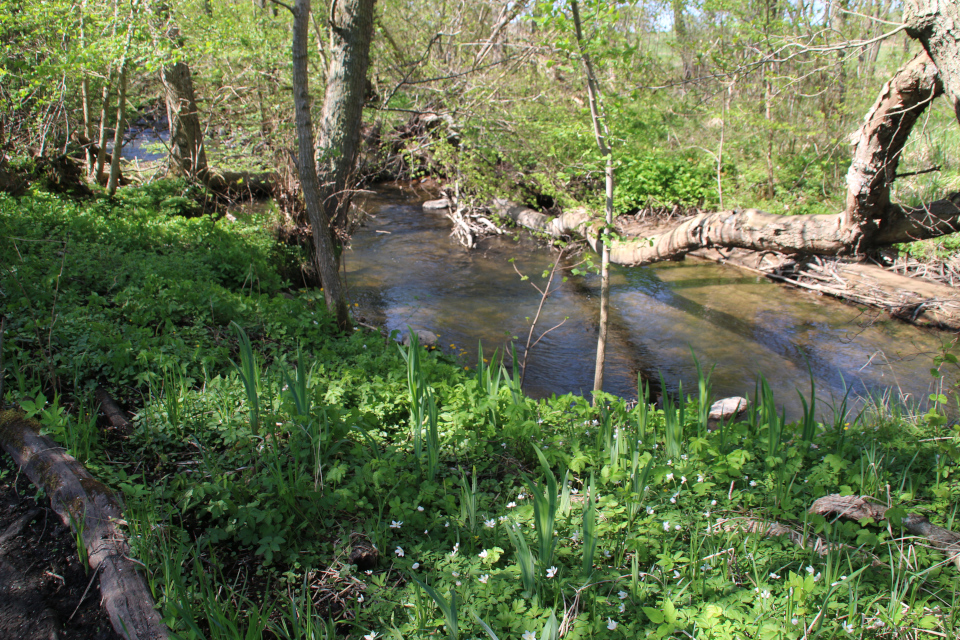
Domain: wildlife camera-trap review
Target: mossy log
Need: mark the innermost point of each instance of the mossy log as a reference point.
(91, 510)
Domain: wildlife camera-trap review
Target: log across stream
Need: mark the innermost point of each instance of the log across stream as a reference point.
(404, 269)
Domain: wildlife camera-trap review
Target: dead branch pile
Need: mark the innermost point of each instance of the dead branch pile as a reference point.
(943, 270)
(471, 224)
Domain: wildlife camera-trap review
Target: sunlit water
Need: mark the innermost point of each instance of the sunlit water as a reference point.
(403, 268)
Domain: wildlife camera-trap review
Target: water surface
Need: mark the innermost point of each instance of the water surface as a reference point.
(404, 269)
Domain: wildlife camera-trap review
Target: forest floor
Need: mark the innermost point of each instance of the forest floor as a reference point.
(45, 590)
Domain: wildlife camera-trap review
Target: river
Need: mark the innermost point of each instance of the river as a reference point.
(403, 268)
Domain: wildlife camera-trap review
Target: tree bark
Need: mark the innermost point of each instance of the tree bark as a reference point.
(323, 251)
(352, 31)
(186, 134)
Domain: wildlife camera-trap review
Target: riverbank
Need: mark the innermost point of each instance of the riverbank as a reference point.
(309, 481)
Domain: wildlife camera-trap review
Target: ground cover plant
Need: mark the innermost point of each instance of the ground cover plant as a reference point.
(284, 480)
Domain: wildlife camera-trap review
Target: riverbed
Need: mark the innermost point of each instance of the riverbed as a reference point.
(403, 269)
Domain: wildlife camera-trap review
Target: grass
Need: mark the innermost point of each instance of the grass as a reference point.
(250, 487)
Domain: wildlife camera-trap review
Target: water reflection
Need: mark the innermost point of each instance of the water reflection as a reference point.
(404, 269)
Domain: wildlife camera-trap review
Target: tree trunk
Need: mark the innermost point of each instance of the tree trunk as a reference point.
(352, 30)
(118, 134)
(323, 250)
(102, 138)
(601, 134)
(880, 141)
(186, 135)
(936, 24)
(88, 154)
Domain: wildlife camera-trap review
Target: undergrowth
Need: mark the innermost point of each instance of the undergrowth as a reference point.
(285, 481)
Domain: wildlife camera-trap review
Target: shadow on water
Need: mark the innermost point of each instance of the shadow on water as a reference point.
(404, 269)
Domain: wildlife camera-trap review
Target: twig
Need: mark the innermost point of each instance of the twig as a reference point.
(543, 298)
(83, 597)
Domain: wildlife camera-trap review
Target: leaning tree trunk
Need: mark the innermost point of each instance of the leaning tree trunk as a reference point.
(186, 135)
(323, 251)
(880, 141)
(936, 24)
(352, 29)
(869, 221)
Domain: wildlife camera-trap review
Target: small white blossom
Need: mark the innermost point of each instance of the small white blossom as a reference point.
(490, 524)
(794, 621)
(483, 554)
(455, 574)
(713, 503)
(622, 595)
(765, 594)
(669, 477)
(810, 570)
(753, 483)
(848, 627)
(360, 598)
(419, 508)
(683, 479)
(774, 576)
(456, 548)
(700, 477)
(677, 527)
(399, 551)
(611, 624)
(622, 608)
(483, 579)
(395, 525)
(552, 571)
(511, 505)
(370, 636)
(416, 565)
(666, 526)
(649, 511)
(528, 635)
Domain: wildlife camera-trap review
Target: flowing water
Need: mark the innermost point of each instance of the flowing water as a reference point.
(404, 269)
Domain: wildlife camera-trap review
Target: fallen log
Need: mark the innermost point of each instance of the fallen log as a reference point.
(112, 412)
(858, 508)
(90, 509)
(913, 300)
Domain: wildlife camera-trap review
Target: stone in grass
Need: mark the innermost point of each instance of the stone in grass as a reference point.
(363, 553)
(427, 339)
(726, 410)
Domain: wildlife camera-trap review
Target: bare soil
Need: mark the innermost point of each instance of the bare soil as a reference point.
(42, 580)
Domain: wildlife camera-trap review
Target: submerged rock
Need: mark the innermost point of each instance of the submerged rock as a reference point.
(436, 205)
